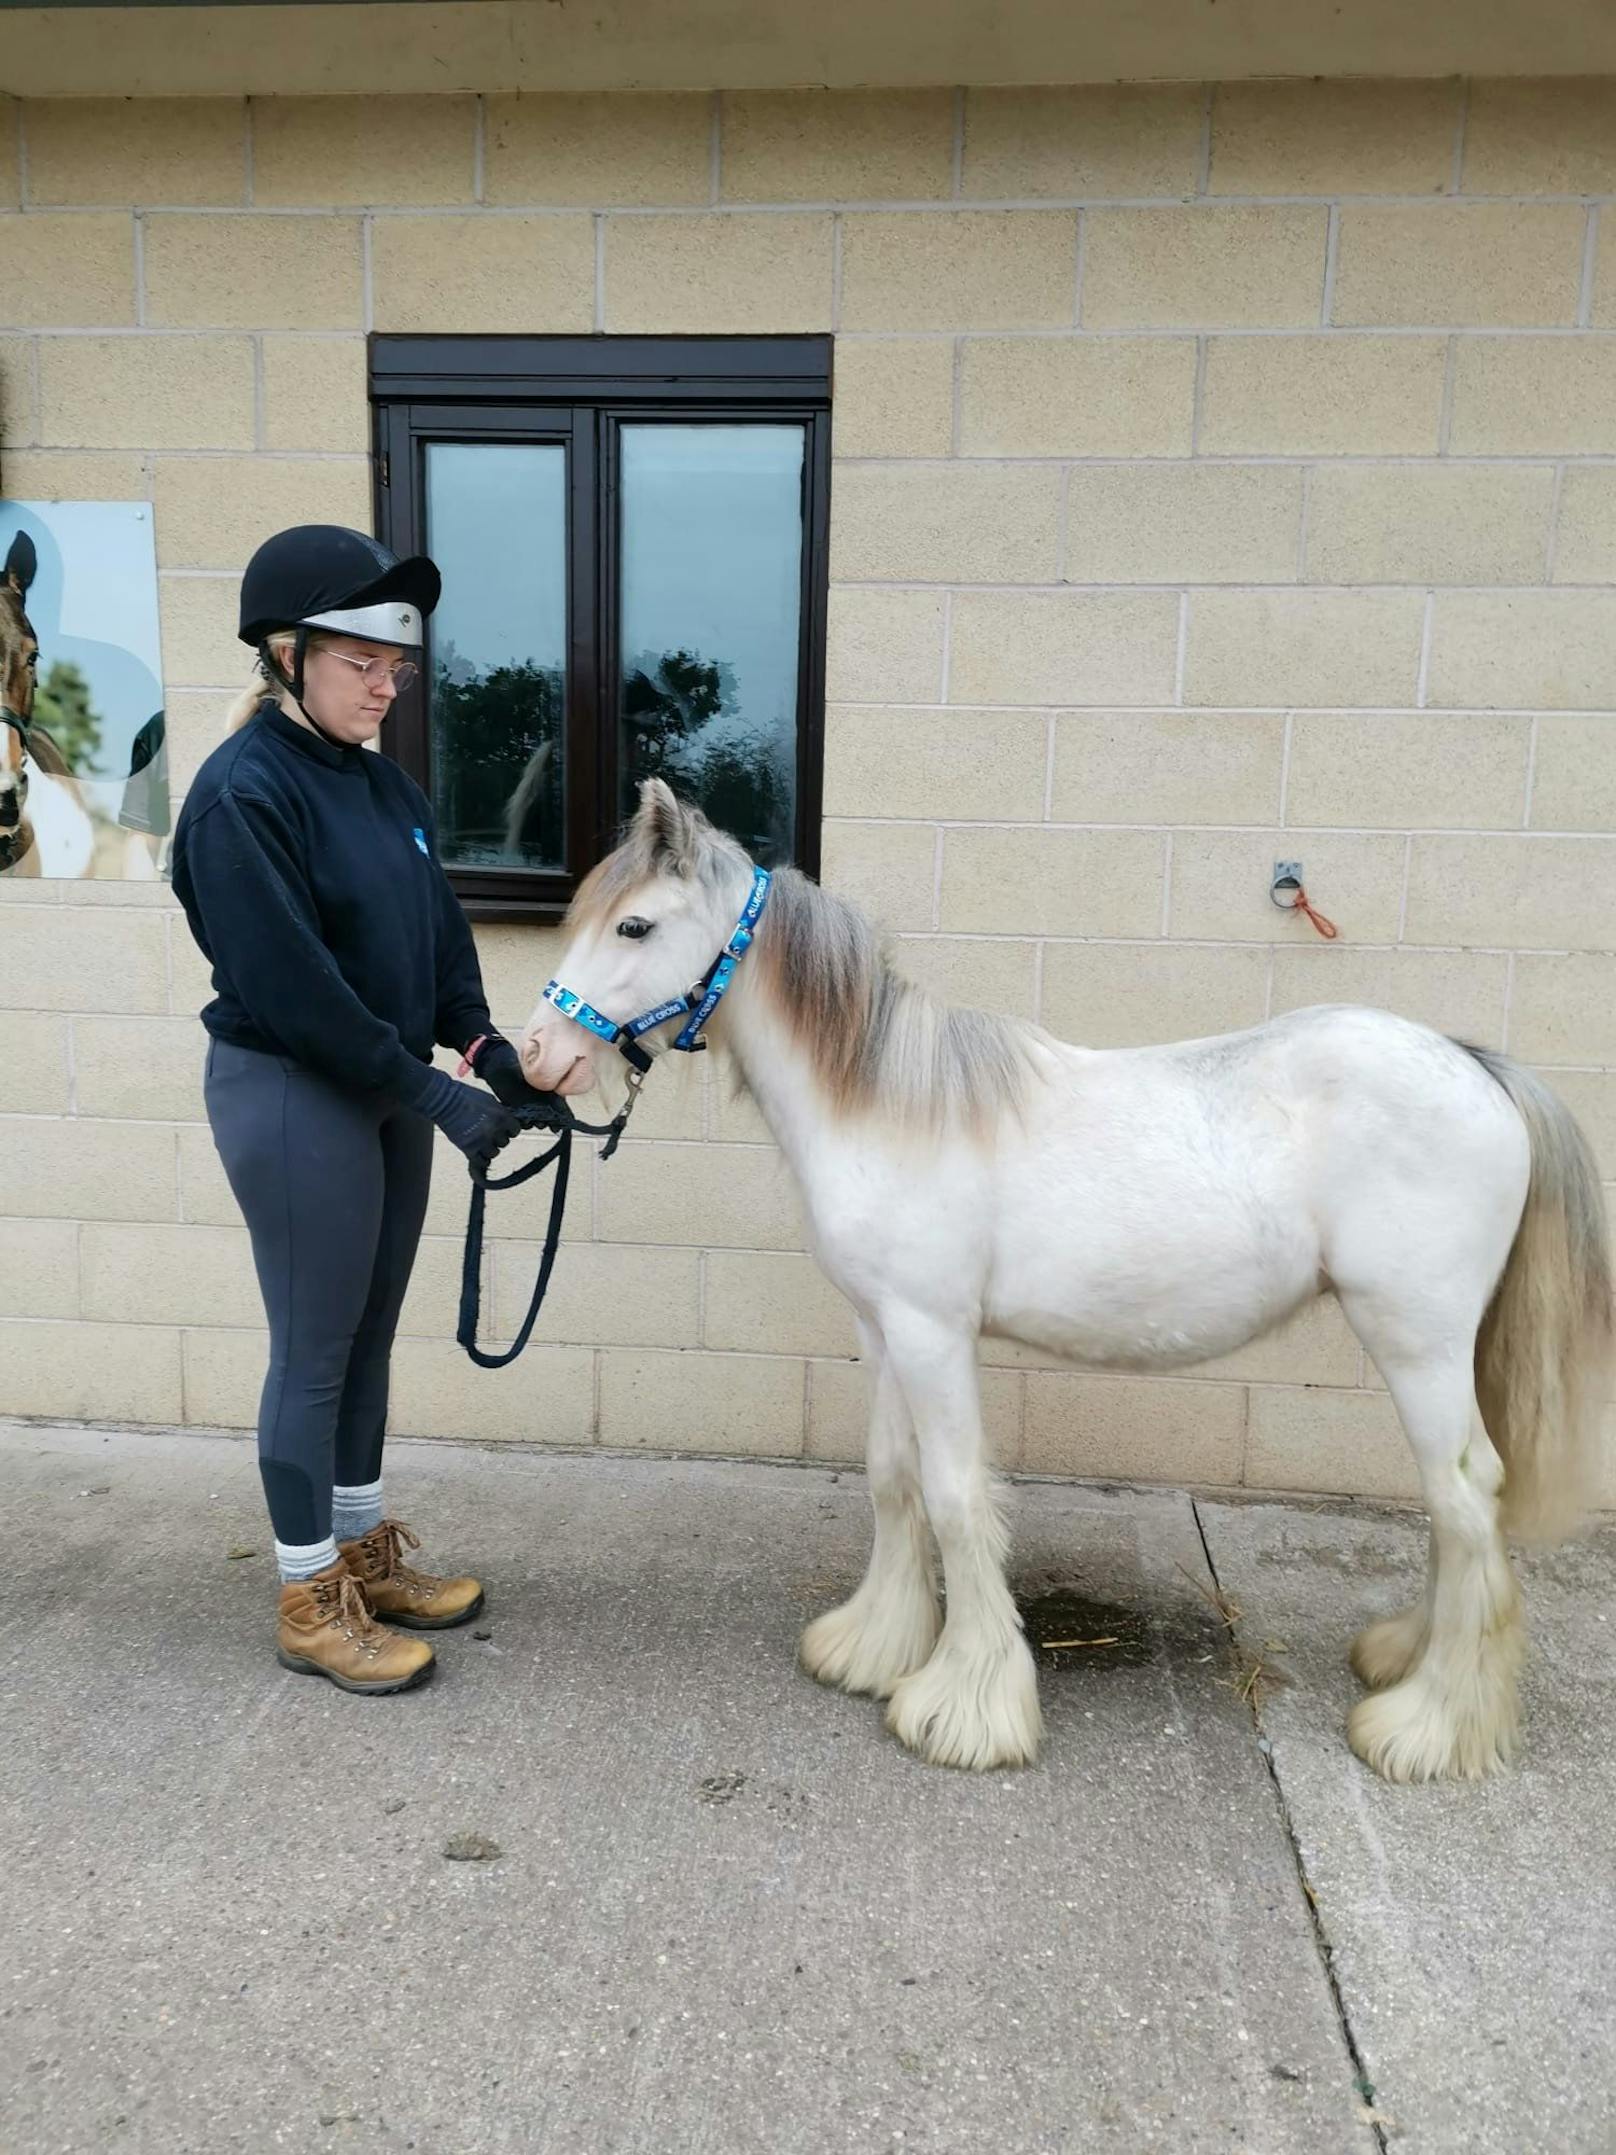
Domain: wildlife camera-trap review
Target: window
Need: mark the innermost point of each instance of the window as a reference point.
(632, 534)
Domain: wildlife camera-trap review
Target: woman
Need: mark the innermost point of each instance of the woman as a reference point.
(309, 875)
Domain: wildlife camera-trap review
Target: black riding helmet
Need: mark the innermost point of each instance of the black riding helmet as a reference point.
(323, 576)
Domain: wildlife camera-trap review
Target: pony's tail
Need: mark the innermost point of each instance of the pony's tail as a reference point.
(1543, 1354)
(520, 805)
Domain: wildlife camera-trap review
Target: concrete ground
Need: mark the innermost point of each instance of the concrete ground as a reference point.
(727, 1912)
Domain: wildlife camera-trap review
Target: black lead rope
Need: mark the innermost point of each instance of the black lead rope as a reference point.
(566, 1125)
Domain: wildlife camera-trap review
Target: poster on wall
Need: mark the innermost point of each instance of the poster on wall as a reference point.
(83, 747)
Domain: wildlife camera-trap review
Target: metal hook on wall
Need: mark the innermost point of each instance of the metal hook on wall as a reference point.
(1289, 893)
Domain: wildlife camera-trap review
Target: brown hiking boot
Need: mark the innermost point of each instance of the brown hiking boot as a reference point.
(400, 1593)
(327, 1629)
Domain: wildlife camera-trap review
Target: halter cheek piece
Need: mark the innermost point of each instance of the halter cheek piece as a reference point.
(553, 1114)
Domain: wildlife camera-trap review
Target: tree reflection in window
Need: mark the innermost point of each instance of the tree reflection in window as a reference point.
(711, 539)
(738, 777)
(498, 789)
(497, 525)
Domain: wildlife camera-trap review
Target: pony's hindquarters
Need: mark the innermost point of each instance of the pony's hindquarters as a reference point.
(1497, 1375)
(1544, 1350)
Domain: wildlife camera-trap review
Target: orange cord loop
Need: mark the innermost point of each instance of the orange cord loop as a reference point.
(1300, 904)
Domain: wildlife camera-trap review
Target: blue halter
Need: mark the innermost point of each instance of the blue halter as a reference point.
(696, 1005)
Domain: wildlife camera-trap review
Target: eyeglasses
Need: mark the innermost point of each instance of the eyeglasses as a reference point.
(401, 672)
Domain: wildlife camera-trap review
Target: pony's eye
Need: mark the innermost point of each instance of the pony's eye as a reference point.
(635, 928)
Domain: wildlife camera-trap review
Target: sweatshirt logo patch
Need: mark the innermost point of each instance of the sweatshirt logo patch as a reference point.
(420, 842)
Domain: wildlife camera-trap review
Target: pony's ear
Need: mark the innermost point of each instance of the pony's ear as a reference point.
(671, 827)
(22, 564)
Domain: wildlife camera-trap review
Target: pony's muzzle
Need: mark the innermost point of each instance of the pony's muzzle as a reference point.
(550, 1064)
(578, 1077)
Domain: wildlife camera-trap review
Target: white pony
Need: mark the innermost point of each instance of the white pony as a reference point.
(1144, 1208)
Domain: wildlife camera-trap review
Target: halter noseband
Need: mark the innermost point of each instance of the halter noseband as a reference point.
(696, 1005)
(16, 721)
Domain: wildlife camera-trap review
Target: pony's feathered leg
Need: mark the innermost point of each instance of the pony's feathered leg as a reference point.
(890, 1625)
(1385, 1651)
(1452, 1711)
(975, 1703)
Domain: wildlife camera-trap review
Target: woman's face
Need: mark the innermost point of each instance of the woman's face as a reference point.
(348, 685)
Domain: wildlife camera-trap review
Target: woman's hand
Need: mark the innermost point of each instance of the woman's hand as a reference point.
(500, 1068)
(479, 1124)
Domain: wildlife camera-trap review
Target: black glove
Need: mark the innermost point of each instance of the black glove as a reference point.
(473, 1120)
(499, 1066)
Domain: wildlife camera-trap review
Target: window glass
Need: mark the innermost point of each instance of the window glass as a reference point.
(711, 540)
(496, 521)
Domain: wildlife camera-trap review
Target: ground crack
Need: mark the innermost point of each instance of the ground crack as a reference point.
(1321, 1942)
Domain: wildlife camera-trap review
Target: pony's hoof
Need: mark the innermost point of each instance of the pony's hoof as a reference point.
(1384, 1653)
(953, 1712)
(1411, 1733)
(851, 1648)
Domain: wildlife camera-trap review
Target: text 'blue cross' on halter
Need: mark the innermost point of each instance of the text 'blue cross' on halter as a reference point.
(696, 1005)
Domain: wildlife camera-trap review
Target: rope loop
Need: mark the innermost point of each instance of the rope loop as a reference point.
(1302, 904)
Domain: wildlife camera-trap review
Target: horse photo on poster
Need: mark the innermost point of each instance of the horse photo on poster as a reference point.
(83, 760)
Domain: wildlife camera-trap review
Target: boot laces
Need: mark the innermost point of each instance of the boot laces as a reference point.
(342, 1601)
(389, 1541)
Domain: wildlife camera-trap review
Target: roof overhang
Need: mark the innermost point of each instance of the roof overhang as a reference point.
(390, 46)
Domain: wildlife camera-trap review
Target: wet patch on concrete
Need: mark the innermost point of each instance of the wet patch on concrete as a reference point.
(1067, 1629)
(1070, 1629)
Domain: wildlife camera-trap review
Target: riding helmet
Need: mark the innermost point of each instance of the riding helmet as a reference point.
(322, 576)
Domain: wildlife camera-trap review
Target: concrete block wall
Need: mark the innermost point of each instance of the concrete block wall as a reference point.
(1222, 474)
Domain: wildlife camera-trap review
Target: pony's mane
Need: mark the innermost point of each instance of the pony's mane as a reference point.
(877, 1043)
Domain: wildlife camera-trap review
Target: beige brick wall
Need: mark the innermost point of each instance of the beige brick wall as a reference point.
(1221, 474)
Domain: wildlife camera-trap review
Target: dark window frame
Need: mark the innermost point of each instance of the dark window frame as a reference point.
(580, 390)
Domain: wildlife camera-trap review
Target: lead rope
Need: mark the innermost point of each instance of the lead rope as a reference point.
(566, 1125)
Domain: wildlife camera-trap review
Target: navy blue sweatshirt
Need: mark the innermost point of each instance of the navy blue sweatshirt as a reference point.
(310, 878)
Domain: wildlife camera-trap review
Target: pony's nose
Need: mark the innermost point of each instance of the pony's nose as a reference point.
(10, 809)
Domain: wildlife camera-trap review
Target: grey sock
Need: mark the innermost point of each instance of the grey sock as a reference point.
(302, 1559)
(355, 1511)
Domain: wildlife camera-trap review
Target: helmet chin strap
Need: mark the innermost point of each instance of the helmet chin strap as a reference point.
(293, 684)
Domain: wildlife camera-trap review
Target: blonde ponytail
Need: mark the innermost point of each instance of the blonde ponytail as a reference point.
(261, 684)
(247, 702)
